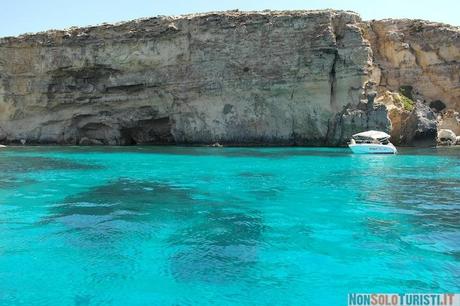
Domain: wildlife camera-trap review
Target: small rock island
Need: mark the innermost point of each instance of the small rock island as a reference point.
(234, 78)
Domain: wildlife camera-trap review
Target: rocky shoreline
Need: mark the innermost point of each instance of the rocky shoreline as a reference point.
(309, 78)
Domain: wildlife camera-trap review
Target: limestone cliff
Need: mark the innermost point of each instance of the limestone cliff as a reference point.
(421, 60)
(293, 77)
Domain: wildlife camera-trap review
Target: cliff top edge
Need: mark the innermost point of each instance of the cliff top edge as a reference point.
(161, 19)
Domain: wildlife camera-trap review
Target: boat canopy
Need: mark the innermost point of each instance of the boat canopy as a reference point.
(372, 134)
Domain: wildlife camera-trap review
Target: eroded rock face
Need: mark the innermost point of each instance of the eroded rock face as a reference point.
(230, 78)
(420, 54)
(450, 120)
(421, 126)
(299, 77)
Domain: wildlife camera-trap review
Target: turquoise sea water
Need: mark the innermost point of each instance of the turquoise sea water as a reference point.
(223, 226)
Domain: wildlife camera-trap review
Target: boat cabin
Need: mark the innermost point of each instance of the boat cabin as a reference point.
(370, 137)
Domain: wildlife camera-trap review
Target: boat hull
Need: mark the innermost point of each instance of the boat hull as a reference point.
(373, 148)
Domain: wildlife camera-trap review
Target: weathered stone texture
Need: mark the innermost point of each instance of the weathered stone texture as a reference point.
(294, 77)
(421, 54)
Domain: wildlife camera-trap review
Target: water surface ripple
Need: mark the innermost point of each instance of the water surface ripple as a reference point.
(246, 226)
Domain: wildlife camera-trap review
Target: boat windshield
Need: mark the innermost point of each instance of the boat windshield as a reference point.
(362, 140)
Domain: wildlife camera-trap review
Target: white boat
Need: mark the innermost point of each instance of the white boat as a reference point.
(372, 142)
(2, 146)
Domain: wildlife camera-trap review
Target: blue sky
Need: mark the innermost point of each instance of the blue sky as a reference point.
(20, 16)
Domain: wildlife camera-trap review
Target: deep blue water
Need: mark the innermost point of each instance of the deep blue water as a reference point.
(223, 226)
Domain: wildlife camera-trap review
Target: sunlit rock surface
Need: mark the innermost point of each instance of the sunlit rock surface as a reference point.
(290, 78)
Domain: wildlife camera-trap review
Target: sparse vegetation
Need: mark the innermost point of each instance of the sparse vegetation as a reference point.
(406, 98)
(407, 103)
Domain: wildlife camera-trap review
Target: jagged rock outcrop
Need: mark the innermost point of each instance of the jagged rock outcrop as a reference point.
(447, 137)
(418, 54)
(450, 120)
(294, 77)
(418, 63)
(421, 127)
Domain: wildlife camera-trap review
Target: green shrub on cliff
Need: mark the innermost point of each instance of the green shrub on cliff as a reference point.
(407, 103)
(406, 98)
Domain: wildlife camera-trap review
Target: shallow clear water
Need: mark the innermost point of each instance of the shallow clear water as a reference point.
(247, 226)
